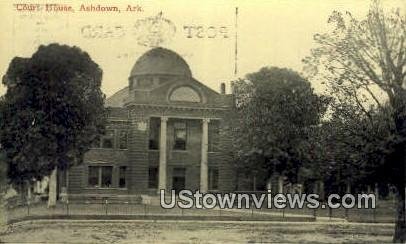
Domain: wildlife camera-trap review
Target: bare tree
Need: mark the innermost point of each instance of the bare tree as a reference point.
(363, 61)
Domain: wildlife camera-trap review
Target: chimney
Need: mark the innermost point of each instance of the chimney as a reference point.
(223, 88)
(232, 85)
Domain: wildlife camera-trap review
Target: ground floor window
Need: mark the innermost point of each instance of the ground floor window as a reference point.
(122, 183)
(93, 176)
(214, 136)
(178, 179)
(213, 179)
(153, 177)
(100, 176)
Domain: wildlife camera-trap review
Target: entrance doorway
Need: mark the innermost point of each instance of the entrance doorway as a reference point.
(179, 179)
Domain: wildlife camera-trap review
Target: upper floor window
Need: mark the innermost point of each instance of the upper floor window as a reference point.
(132, 82)
(185, 94)
(107, 140)
(180, 134)
(96, 142)
(144, 82)
(122, 142)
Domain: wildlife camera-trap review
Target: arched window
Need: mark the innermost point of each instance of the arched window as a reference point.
(185, 94)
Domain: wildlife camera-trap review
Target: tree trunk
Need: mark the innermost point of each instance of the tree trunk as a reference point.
(3, 215)
(400, 228)
(269, 184)
(52, 189)
(29, 192)
(399, 104)
(348, 188)
(280, 184)
(321, 190)
(376, 191)
(22, 193)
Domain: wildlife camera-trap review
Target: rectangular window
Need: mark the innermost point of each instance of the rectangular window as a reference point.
(153, 177)
(96, 143)
(180, 134)
(154, 131)
(106, 176)
(122, 177)
(213, 179)
(123, 139)
(93, 178)
(144, 82)
(108, 139)
(132, 82)
(214, 136)
(100, 176)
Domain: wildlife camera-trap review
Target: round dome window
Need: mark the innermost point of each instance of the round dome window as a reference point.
(185, 94)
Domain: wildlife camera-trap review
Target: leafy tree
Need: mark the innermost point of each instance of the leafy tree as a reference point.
(51, 113)
(359, 145)
(363, 64)
(3, 188)
(276, 112)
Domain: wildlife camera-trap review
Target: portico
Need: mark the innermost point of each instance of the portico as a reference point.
(163, 156)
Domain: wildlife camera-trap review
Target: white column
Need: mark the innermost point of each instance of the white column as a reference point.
(52, 188)
(204, 169)
(162, 155)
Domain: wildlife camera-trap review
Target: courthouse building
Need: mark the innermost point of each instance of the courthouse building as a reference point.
(165, 131)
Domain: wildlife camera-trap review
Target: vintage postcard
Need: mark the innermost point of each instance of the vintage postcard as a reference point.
(203, 121)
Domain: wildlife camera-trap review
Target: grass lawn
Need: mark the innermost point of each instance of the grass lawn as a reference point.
(194, 232)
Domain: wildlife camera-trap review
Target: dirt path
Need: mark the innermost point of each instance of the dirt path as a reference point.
(195, 232)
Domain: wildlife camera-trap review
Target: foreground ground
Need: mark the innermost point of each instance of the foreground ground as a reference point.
(144, 231)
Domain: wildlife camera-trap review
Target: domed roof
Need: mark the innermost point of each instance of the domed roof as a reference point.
(161, 61)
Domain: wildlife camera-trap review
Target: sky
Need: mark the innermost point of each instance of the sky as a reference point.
(270, 33)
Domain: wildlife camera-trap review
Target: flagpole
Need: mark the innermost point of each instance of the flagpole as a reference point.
(236, 44)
